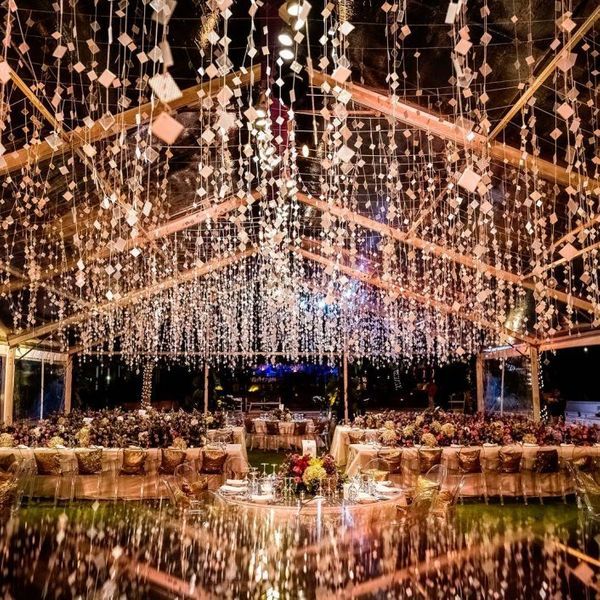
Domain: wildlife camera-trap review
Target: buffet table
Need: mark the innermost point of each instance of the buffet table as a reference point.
(111, 483)
(490, 481)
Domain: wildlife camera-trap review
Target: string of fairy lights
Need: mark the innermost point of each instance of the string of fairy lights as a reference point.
(92, 239)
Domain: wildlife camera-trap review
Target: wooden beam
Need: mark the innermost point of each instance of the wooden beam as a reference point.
(206, 371)
(425, 212)
(417, 117)
(480, 383)
(9, 387)
(105, 186)
(442, 251)
(577, 340)
(562, 261)
(131, 297)
(345, 385)
(68, 384)
(412, 295)
(214, 211)
(535, 382)
(545, 73)
(571, 234)
(128, 119)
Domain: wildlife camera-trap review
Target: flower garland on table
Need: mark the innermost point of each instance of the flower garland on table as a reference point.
(438, 428)
(309, 473)
(114, 428)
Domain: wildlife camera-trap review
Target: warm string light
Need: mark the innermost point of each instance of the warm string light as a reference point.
(479, 235)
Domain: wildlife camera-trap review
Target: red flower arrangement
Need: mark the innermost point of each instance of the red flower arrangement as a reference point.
(309, 473)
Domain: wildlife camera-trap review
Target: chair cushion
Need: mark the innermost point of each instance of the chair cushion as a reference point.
(249, 425)
(272, 427)
(89, 462)
(213, 461)
(7, 461)
(425, 489)
(584, 463)
(546, 461)
(195, 489)
(8, 489)
(376, 474)
(300, 428)
(428, 459)
(394, 460)
(47, 463)
(469, 461)
(356, 437)
(442, 503)
(134, 460)
(509, 461)
(170, 459)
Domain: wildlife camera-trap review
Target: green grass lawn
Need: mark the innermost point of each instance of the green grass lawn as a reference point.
(257, 457)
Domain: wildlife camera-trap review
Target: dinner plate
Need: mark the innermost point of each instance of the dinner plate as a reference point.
(230, 489)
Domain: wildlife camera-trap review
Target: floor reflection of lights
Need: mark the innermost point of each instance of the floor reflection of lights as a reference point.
(128, 550)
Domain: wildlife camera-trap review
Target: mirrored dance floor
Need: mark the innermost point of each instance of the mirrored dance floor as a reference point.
(137, 551)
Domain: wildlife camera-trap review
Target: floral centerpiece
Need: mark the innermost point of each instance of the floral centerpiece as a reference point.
(114, 428)
(309, 474)
(281, 414)
(439, 428)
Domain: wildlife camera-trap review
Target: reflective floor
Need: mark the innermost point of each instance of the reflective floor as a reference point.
(139, 551)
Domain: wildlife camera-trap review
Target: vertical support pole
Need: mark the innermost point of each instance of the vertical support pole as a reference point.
(345, 369)
(535, 382)
(9, 387)
(502, 387)
(42, 393)
(68, 383)
(480, 383)
(206, 370)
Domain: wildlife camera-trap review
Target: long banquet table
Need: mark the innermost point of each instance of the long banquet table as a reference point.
(490, 481)
(130, 487)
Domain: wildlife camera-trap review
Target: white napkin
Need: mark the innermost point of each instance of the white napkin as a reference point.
(237, 482)
(261, 498)
(385, 489)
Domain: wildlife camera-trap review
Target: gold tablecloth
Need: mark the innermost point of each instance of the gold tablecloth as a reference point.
(340, 443)
(348, 513)
(490, 481)
(130, 487)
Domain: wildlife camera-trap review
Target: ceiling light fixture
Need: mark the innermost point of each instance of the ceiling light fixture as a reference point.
(285, 39)
(286, 54)
(293, 8)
